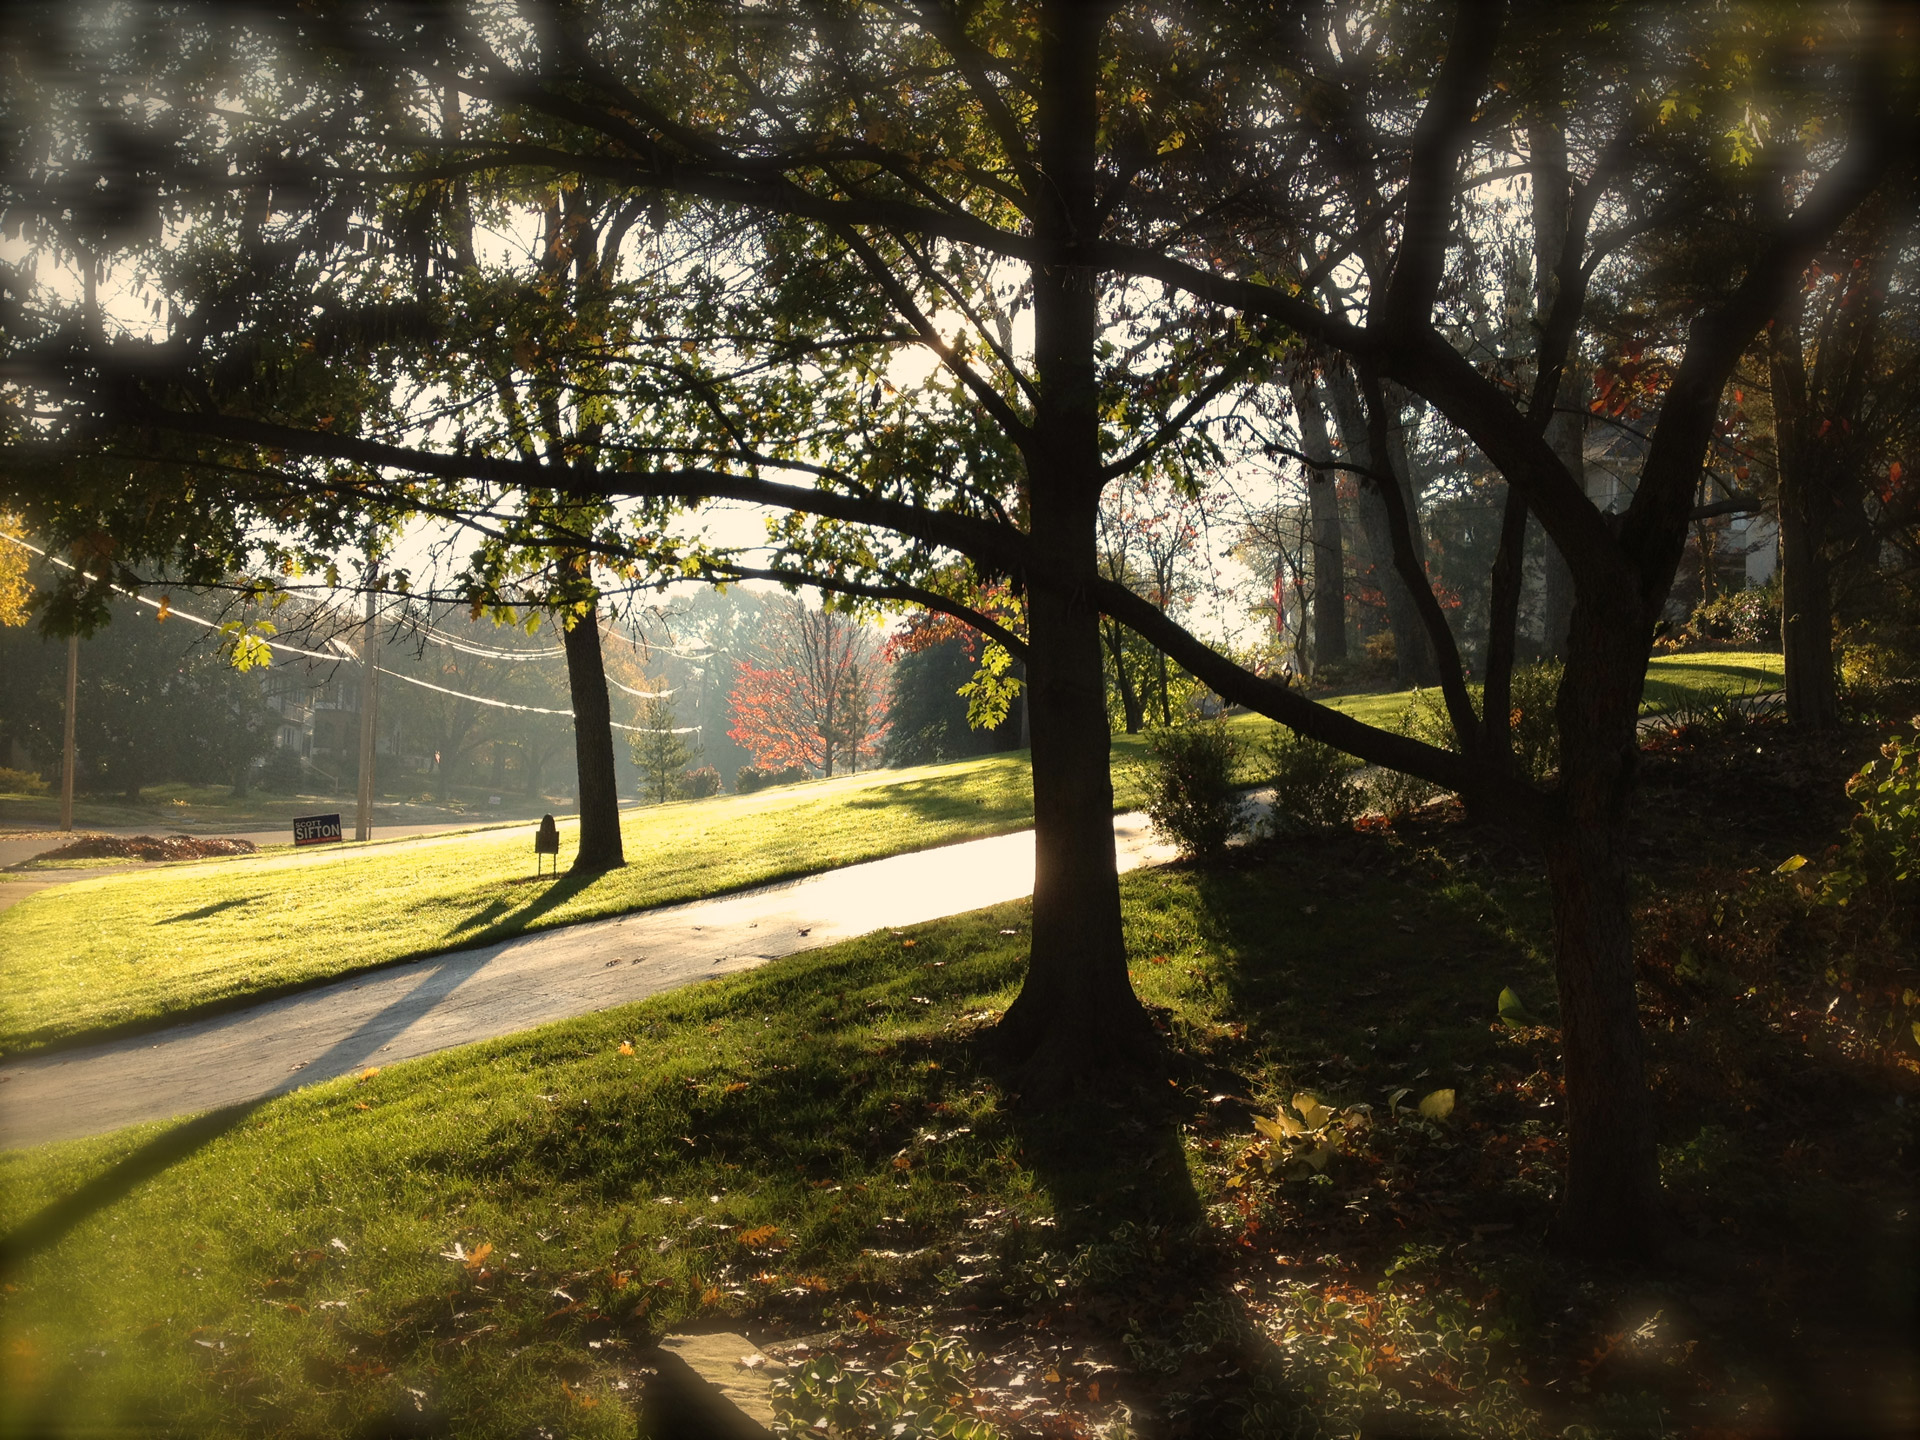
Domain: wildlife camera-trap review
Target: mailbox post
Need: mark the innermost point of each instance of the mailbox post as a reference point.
(546, 841)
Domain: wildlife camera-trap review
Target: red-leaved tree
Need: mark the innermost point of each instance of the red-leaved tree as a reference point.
(816, 698)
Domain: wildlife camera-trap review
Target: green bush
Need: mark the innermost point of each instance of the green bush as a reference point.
(1536, 729)
(21, 782)
(1190, 784)
(747, 779)
(282, 774)
(1743, 619)
(1394, 794)
(1313, 785)
(1883, 849)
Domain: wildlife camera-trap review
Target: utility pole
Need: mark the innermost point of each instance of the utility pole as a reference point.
(73, 692)
(363, 822)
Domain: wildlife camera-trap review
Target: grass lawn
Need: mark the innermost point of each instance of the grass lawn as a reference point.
(129, 949)
(483, 1243)
(1671, 681)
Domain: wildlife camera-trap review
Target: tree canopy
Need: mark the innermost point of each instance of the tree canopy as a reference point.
(1104, 227)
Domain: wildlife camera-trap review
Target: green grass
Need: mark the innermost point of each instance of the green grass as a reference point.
(131, 949)
(1671, 679)
(816, 1146)
(285, 1270)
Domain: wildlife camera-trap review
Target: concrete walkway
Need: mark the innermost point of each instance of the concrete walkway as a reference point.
(454, 999)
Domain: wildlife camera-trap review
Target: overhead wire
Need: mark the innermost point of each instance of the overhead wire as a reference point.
(168, 612)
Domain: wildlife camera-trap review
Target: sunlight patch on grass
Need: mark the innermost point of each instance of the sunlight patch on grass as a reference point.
(94, 955)
(488, 1238)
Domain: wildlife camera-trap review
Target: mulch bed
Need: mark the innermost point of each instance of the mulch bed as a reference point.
(149, 847)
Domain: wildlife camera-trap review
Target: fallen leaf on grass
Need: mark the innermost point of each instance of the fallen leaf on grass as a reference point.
(1438, 1105)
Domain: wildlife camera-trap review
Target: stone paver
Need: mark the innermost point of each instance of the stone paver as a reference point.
(454, 999)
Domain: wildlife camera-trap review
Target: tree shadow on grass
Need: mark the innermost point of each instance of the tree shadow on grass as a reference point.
(181, 1141)
(500, 920)
(1367, 960)
(939, 801)
(206, 912)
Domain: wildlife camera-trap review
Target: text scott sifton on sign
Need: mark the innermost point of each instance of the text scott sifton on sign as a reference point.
(315, 829)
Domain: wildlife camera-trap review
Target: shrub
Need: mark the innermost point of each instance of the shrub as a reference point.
(1189, 780)
(1536, 729)
(282, 774)
(1744, 619)
(747, 779)
(700, 784)
(1424, 719)
(21, 782)
(1883, 848)
(1313, 786)
(1394, 794)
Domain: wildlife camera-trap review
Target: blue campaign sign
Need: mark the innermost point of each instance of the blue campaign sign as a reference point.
(316, 829)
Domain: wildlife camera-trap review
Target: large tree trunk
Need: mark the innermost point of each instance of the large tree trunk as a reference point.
(1323, 519)
(1413, 658)
(1611, 1204)
(1566, 432)
(1806, 585)
(600, 846)
(1076, 1015)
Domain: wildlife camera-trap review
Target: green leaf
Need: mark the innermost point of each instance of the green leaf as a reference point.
(1275, 1132)
(1438, 1105)
(1311, 1110)
(1789, 865)
(1513, 1010)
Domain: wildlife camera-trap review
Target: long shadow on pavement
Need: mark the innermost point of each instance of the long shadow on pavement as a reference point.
(55, 1220)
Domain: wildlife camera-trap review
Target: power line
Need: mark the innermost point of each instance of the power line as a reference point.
(284, 648)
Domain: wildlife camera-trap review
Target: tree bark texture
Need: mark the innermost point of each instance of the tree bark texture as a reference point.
(1076, 1014)
(1323, 520)
(1131, 711)
(1566, 431)
(1413, 657)
(600, 844)
(1806, 581)
(1611, 1202)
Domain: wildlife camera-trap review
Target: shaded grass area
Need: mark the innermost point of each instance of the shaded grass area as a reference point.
(1672, 680)
(484, 1243)
(792, 1145)
(133, 949)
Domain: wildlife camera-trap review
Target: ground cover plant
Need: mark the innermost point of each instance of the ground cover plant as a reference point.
(485, 1242)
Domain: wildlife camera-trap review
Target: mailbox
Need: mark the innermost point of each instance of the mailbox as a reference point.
(546, 841)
